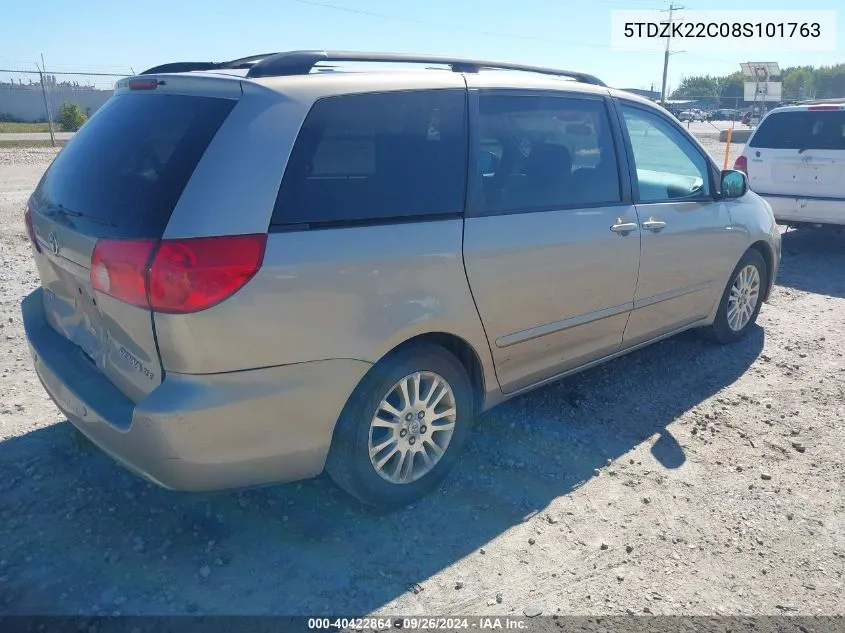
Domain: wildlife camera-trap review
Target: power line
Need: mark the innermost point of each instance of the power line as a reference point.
(712, 59)
(97, 67)
(633, 4)
(52, 72)
(441, 25)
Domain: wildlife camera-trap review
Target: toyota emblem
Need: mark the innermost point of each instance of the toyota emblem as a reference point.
(53, 241)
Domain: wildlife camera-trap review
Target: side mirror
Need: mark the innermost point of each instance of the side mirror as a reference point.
(734, 184)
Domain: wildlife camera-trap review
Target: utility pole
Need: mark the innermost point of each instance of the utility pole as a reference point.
(672, 9)
(46, 102)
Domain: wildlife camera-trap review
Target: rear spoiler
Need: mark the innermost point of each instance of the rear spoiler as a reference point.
(186, 67)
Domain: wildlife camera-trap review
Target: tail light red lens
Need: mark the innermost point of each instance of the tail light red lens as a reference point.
(741, 164)
(176, 276)
(195, 274)
(119, 269)
(30, 229)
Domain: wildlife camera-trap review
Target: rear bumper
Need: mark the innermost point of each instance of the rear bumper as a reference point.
(200, 432)
(792, 209)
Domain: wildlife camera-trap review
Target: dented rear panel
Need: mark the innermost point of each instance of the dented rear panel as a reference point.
(118, 179)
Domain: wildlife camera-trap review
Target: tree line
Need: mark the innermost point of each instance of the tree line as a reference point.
(799, 82)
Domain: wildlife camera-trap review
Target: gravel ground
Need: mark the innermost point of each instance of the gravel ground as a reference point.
(35, 136)
(681, 479)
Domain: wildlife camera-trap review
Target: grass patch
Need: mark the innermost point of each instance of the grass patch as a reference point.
(22, 128)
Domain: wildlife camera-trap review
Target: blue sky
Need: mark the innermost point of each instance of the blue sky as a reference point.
(108, 36)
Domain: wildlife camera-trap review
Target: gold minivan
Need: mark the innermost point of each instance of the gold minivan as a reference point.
(258, 270)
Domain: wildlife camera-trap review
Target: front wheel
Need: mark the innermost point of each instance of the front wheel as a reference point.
(403, 428)
(741, 300)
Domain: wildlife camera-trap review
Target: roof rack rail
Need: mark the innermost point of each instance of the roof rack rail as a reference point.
(819, 101)
(302, 62)
(186, 67)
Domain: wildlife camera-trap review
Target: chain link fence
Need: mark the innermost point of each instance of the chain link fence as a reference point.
(31, 100)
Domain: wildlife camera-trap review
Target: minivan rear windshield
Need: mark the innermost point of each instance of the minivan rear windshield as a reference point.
(124, 171)
(802, 129)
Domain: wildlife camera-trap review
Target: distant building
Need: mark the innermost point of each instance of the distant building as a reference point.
(25, 102)
(648, 94)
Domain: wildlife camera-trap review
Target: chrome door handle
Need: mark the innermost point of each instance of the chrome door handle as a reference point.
(654, 225)
(623, 228)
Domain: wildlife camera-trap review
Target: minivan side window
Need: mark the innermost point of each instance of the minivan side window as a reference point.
(544, 152)
(669, 167)
(377, 156)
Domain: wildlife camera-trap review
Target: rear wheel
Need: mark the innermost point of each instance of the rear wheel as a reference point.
(741, 300)
(403, 428)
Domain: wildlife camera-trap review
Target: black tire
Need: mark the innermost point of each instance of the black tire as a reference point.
(348, 462)
(720, 331)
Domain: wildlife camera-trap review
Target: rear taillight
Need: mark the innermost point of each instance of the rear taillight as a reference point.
(119, 269)
(741, 164)
(30, 229)
(195, 274)
(176, 276)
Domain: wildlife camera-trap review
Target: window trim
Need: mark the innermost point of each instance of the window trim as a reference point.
(292, 227)
(713, 172)
(474, 207)
(365, 222)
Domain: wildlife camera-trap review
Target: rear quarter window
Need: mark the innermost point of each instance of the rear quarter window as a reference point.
(124, 171)
(377, 157)
(801, 129)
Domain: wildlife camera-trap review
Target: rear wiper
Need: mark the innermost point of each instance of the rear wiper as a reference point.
(63, 210)
(803, 149)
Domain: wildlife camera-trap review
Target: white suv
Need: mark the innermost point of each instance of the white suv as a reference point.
(796, 161)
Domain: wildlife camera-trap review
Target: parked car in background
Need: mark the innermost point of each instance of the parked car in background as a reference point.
(692, 115)
(725, 114)
(795, 159)
(254, 271)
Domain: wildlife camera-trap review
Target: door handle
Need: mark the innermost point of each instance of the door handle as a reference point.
(654, 225)
(623, 228)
